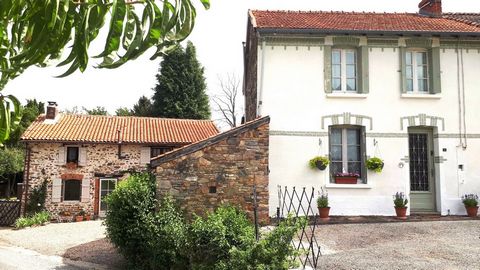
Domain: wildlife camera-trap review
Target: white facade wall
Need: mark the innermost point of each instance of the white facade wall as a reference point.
(292, 94)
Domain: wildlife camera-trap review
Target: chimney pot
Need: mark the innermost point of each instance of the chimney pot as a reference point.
(52, 110)
(431, 8)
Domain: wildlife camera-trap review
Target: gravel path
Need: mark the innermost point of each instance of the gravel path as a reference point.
(415, 245)
(80, 241)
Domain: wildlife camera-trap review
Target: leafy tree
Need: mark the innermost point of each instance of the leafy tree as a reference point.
(11, 163)
(144, 107)
(99, 110)
(180, 89)
(123, 111)
(30, 112)
(33, 33)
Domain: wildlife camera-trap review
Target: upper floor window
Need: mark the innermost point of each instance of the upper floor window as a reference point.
(344, 70)
(157, 151)
(417, 77)
(347, 144)
(72, 154)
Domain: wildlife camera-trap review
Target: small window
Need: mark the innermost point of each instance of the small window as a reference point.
(72, 154)
(71, 190)
(416, 73)
(157, 151)
(347, 144)
(344, 70)
(212, 189)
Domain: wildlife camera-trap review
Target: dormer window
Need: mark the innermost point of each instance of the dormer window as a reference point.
(72, 154)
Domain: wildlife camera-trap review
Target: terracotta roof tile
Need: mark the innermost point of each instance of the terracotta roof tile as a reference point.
(469, 18)
(358, 21)
(111, 129)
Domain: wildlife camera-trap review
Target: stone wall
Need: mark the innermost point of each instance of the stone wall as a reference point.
(102, 160)
(220, 170)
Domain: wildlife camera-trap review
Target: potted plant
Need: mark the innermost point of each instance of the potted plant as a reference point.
(79, 216)
(346, 178)
(86, 217)
(400, 202)
(375, 164)
(471, 204)
(322, 204)
(319, 162)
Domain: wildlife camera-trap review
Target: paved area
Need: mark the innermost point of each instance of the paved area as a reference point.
(61, 242)
(413, 245)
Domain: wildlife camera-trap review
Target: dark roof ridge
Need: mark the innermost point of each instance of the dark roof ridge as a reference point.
(132, 117)
(191, 148)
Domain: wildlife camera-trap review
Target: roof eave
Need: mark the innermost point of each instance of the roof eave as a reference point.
(267, 31)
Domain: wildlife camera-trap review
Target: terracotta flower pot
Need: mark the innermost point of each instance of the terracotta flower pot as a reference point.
(324, 213)
(401, 212)
(345, 179)
(78, 218)
(472, 211)
(86, 217)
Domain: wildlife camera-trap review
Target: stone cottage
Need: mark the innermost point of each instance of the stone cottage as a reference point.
(82, 157)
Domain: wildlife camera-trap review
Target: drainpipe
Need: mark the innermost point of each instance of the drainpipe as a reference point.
(262, 72)
(462, 126)
(26, 180)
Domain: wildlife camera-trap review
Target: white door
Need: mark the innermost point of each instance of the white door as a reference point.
(107, 185)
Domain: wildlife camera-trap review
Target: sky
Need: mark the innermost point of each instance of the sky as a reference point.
(218, 36)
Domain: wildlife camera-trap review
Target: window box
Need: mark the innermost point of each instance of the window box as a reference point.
(345, 179)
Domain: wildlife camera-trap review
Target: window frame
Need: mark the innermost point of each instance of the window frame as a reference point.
(64, 181)
(414, 65)
(163, 148)
(343, 70)
(362, 147)
(67, 155)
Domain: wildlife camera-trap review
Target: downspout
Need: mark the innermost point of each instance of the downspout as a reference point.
(26, 180)
(262, 72)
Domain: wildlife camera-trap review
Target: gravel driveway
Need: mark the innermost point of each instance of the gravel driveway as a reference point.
(412, 245)
(80, 241)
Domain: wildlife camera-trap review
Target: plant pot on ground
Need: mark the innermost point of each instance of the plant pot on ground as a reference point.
(346, 178)
(400, 202)
(87, 217)
(78, 218)
(322, 204)
(319, 162)
(470, 201)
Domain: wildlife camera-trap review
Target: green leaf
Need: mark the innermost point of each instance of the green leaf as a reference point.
(116, 27)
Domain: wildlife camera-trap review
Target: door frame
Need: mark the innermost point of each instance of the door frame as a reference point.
(431, 168)
(100, 212)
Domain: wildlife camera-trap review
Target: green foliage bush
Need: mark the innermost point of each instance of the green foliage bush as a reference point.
(375, 164)
(39, 218)
(154, 235)
(36, 200)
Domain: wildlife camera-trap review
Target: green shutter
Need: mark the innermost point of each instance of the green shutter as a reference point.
(363, 72)
(434, 65)
(363, 148)
(327, 68)
(403, 78)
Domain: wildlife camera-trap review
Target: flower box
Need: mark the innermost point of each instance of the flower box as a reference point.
(346, 179)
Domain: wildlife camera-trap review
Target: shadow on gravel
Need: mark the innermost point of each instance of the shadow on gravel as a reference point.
(99, 252)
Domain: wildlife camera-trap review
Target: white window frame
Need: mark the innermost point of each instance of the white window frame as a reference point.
(100, 212)
(343, 70)
(414, 66)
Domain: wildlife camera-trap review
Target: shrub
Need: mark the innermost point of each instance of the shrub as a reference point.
(399, 200)
(37, 219)
(36, 200)
(470, 200)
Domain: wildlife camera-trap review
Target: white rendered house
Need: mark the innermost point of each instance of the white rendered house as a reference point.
(401, 87)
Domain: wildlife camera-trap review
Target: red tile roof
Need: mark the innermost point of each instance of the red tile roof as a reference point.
(470, 18)
(357, 21)
(105, 129)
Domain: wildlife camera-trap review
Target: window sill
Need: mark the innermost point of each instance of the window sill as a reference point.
(422, 96)
(348, 186)
(346, 95)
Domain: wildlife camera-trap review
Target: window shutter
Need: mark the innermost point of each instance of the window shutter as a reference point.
(403, 64)
(434, 66)
(145, 155)
(62, 155)
(327, 68)
(82, 156)
(363, 72)
(57, 190)
(363, 149)
(85, 197)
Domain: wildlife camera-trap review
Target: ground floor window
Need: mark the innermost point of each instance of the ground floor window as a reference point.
(72, 190)
(347, 151)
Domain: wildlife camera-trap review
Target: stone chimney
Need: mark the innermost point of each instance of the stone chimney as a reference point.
(431, 8)
(52, 110)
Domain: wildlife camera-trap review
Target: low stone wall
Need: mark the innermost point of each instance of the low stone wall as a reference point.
(221, 170)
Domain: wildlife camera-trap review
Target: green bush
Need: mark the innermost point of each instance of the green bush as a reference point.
(36, 200)
(37, 219)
